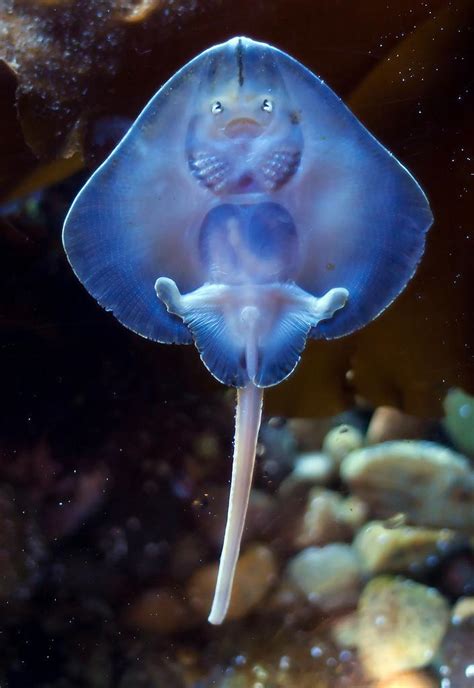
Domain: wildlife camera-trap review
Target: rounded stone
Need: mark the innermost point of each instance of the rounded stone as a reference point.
(463, 611)
(389, 423)
(312, 468)
(211, 520)
(401, 625)
(330, 576)
(329, 518)
(409, 679)
(309, 433)
(255, 574)
(459, 419)
(432, 485)
(341, 440)
(159, 610)
(345, 630)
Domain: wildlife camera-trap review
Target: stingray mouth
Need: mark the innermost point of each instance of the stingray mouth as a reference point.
(243, 128)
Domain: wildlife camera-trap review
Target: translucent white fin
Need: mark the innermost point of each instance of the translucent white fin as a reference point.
(247, 424)
(250, 333)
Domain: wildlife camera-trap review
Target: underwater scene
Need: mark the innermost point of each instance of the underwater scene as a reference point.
(236, 344)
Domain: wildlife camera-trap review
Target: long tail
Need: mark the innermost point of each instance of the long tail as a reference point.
(247, 425)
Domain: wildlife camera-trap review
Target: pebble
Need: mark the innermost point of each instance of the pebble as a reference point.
(459, 419)
(212, 516)
(345, 630)
(286, 599)
(389, 423)
(309, 433)
(341, 440)
(160, 610)
(463, 611)
(409, 679)
(255, 574)
(432, 485)
(329, 518)
(402, 549)
(401, 625)
(312, 468)
(329, 576)
(278, 657)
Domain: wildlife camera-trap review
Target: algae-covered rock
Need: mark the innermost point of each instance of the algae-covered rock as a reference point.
(432, 485)
(401, 625)
(459, 419)
(402, 549)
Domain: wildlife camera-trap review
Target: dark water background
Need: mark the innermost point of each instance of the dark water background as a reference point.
(109, 443)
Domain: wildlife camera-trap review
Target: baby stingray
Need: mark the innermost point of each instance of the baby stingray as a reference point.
(246, 210)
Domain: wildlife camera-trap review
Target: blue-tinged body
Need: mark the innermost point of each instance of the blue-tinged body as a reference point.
(246, 210)
(247, 137)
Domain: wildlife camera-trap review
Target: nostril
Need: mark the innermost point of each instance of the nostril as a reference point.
(243, 127)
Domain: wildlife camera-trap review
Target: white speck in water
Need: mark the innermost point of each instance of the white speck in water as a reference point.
(469, 671)
(316, 652)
